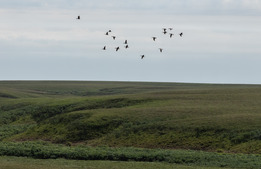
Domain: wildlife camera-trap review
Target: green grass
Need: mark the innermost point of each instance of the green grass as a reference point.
(28, 163)
(224, 118)
(209, 117)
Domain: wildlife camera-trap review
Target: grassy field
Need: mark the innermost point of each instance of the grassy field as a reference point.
(209, 117)
(28, 163)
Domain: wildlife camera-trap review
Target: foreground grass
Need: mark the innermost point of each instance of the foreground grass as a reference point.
(29, 163)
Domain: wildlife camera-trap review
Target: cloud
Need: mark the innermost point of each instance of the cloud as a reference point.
(184, 7)
(59, 27)
(251, 4)
(218, 35)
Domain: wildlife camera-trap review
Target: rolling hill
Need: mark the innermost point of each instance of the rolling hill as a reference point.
(209, 117)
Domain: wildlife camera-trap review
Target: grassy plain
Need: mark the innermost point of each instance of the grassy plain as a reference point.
(209, 117)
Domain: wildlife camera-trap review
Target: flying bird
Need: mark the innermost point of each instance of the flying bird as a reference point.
(78, 17)
(107, 33)
(170, 29)
(160, 49)
(117, 48)
(154, 38)
(181, 34)
(114, 37)
(164, 30)
(125, 42)
(104, 48)
(127, 46)
(170, 35)
(142, 56)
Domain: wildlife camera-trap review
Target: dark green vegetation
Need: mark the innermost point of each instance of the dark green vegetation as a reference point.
(43, 150)
(219, 118)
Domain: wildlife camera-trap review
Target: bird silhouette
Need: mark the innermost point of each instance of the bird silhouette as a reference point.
(117, 48)
(160, 49)
(127, 46)
(170, 35)
(154, 38)
(114, 37)
(164, 29)
(78, 17)
(181, 34)
(107, 33)
(164, 32)
(104, 48)
(171, 29)
(125, 42)
(142, 56)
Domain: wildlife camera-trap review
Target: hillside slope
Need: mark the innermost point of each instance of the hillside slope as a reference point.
(223, 118)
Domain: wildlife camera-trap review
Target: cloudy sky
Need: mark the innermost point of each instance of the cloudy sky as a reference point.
(43, 40)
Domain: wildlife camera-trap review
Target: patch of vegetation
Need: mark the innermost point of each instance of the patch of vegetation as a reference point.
(44, 150)
(10, 130)
(5, 95)
(43, 112)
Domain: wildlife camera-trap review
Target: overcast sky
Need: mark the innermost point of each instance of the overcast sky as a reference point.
(43, 40)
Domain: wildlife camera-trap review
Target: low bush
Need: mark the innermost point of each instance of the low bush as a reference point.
(45, 150)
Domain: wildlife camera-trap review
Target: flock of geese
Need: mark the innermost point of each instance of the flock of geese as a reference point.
(165, 32)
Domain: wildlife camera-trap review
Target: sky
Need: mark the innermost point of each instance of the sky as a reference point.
(43, 40)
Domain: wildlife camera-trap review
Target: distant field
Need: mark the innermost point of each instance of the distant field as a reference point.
(28, 163)
(209, 117)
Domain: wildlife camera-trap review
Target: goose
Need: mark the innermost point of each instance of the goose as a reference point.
(142, 56)
(125, 42)
(114, 37)
(160, 49)
(107, 33)
(104, 48)
(154, 38)
(171, 29)
(78, 17)
(127, 46)
(117, 48)
(181, 34)
(170, 35)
